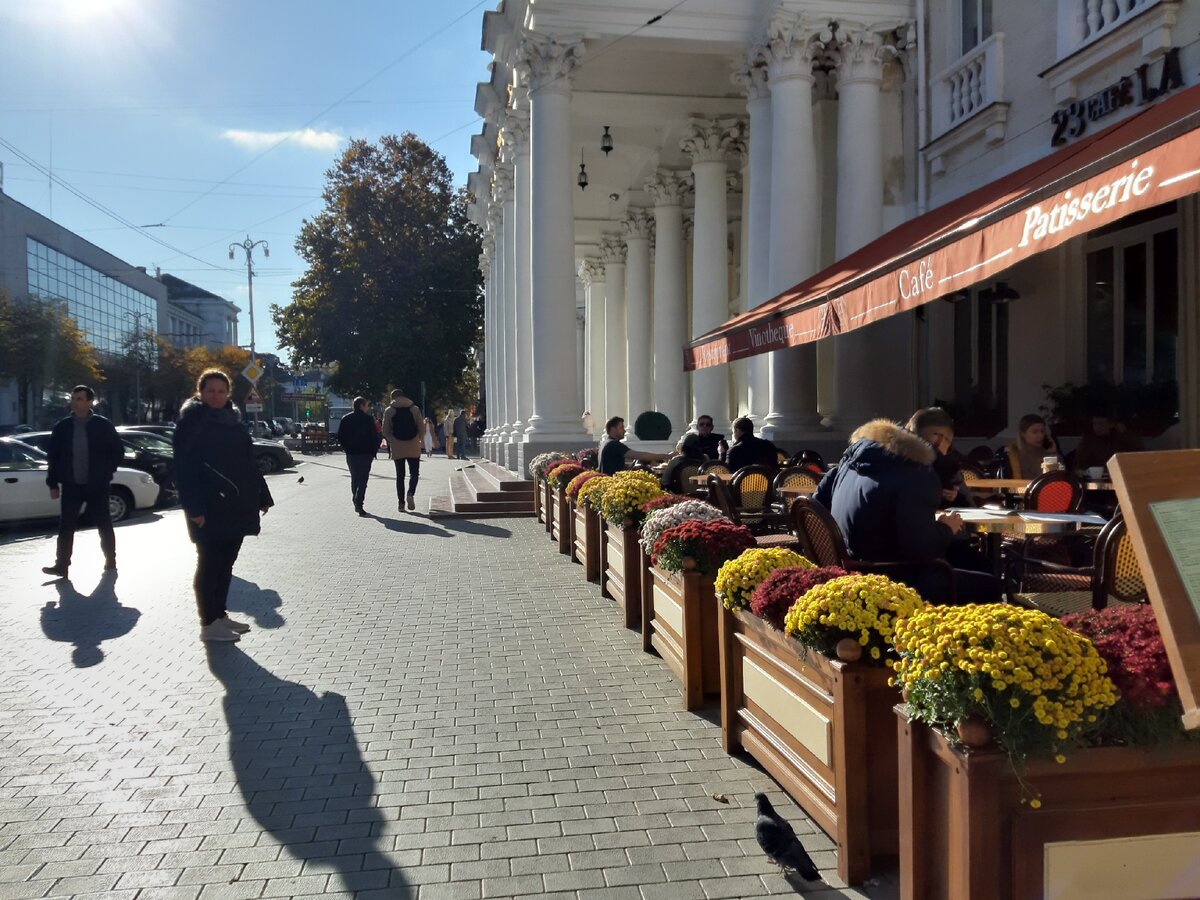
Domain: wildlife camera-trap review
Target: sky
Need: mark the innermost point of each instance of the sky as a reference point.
(197, 123)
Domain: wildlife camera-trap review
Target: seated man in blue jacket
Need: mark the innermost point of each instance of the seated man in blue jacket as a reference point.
(885, 497)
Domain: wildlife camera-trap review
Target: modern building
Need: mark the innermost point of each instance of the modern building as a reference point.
(803, 211)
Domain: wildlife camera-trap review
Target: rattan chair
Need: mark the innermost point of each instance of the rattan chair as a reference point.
(752, 493)
(721, 496)
(714, 468)
(791, 477)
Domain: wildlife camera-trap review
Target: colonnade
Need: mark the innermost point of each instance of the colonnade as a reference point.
(637, 310)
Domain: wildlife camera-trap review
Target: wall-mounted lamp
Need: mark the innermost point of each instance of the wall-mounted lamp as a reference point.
(582, 180)
(606, 143)
(1001, 293)
(957, 296)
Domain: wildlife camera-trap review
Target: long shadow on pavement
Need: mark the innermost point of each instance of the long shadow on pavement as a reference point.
(300, 770)
(469, 526)
(261, 604)
(87, 621)
(409, 526)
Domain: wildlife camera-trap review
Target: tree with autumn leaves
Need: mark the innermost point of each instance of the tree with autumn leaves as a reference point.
(392, 296)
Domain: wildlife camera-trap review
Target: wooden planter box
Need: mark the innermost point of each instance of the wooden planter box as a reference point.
(547, 506)
(585, 540)
(824, 730)
(560, 519)
(680, 623)
(539, 497)
(1114, 822)
(620, 578)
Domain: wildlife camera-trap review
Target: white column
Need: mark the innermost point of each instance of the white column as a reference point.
(794, 243)
(874, 363)
(592, 272)
(616, 346)
(667, 190)
(500, 389)
(709, 142)
(547, 63)
(517, 129)
(639, 351)
(757, 224)
(513, 372)
(580, 348)
(485, 268)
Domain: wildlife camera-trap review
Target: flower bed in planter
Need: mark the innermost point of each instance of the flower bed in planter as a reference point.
(1112, 822)
(537, 470)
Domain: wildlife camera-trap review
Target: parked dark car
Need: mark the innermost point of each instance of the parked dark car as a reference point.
(270, 455)
(147, 452)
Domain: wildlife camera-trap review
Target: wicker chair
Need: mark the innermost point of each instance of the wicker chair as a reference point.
(791, 477)
(714, 468)
(751, 488)
(721, 496)
(1115, 576)
(681, 478)
(1055, 492)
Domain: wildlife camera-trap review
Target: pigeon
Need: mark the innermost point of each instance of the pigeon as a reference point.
(300, 480)
(778, 840)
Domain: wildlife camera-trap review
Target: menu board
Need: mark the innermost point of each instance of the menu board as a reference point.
(1160, 499)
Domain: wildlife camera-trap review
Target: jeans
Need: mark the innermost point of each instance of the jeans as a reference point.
(73, 496)
(360, 470)
(414, 471)
(214, 574)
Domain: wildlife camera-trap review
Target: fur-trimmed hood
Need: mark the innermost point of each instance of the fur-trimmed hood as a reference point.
(195, 408)
(886, 436)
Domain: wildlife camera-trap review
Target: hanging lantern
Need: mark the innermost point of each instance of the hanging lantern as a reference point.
(582, 180)
(606, 143)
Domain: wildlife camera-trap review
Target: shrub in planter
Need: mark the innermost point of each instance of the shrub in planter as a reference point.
(624, 495)
(858, 608)
(652, 426)
(992, 670)
(781, 589)
(660, 520)
(592, 491)
(663, 502)
(579, 481)
(555, 464)
(738, 578)
(561, 475)
(588, 457)
(702, 546)
(537, 465)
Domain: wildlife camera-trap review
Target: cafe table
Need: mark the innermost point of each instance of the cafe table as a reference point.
(1018, 485)
(703, 479)
(998, 524)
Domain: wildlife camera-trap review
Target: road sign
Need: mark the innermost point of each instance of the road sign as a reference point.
(254, 407)
(253, 372)
(299, 384)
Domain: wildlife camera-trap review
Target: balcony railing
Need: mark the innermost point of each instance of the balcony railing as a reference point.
(1082, 21)
(973, 83)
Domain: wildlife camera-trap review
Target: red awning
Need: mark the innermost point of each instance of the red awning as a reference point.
(1147, 159)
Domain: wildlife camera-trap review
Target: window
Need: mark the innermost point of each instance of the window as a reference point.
(1132, 300)
(981, 361)
(976, 22)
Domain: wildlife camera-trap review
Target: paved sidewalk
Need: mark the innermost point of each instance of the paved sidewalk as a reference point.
(423, 709)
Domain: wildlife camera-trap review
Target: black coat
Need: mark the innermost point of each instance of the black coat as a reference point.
(884, 495)
(752, 451)
(105, 451)
(217, 475)
(357, 434)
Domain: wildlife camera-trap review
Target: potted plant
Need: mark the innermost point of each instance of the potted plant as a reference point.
(652, 426)
(585, 529)
(1012, 731)
(812, 703)
(537, 471)
(683, 613)
(621, 514)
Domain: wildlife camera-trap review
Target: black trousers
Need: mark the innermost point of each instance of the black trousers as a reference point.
(214, 574)
(360, 470)
(72, 497)
(414, 472)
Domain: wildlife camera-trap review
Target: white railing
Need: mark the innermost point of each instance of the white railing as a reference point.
(1082, 21)
(974, 82)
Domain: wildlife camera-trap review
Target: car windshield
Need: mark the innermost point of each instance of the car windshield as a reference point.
(144, 441)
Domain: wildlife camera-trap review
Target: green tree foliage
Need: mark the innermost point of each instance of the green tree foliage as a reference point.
(392, 293)
(41, 346)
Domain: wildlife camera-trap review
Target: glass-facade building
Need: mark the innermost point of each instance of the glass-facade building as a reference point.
(104, 307)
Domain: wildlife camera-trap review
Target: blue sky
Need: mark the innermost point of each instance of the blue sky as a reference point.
(220, 119)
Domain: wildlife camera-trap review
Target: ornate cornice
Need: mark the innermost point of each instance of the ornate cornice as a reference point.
(502, 183)
(638, 225)
(515, 137)
(712, 140)
(545, 62)
(612, 249)
(668, 188)
(495, 220)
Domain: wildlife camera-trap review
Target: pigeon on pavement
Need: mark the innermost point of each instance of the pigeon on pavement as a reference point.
(300, 480)
(778, 840)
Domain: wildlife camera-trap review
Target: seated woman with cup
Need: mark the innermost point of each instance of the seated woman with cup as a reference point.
(1034, 452)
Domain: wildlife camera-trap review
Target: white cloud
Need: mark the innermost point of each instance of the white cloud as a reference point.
(304, 137)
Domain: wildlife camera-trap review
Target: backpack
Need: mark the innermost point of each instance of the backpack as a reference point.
(404, 427)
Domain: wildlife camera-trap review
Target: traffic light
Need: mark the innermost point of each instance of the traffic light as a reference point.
(307, 413)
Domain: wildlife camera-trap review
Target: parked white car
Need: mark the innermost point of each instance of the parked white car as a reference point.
(24, 495)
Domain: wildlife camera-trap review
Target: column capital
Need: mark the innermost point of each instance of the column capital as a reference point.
(545, 62)
(502, 185)
(668, 188)
(591, 271)
(495, 220)
(793, 43)
(751, 77)
(638, 224)
(485, 259)
(860, 50)
(712, 140)
(612, 249)
(515, 136)
(689, 223)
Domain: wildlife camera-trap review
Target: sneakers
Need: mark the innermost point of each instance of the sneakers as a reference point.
(412, 503)
(233, 624)
(218, 632)
(58, 571)
(362, 512)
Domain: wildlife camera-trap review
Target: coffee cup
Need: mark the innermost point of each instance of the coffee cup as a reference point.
(1050, 464)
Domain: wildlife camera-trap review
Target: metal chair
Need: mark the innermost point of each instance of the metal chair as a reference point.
(1056, 492)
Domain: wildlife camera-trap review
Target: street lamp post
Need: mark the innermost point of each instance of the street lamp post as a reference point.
(249, 245)
(137, 361)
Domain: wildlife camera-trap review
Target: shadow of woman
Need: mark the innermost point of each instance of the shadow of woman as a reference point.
(88, 621)
(261, 604)
(279, 729)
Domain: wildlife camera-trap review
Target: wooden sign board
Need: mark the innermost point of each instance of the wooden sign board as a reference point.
(1160, 499)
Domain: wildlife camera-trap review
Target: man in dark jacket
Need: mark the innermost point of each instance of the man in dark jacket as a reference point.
(748, 450)
(85, 451)
(461, 438)
(360, 440)
(885, 497)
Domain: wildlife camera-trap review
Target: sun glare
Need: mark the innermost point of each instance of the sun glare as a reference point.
(70, 12)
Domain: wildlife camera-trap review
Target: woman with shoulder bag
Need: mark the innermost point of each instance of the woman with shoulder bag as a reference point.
(222, 494)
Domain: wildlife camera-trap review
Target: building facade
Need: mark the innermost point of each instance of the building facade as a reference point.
(688, 168)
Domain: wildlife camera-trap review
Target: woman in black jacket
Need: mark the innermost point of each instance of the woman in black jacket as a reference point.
(222, 493)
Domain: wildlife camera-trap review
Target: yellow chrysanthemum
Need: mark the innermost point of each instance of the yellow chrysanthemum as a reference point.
(737, 578)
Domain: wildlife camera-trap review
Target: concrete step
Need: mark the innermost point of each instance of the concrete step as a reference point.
(472, 496)
(502, 478)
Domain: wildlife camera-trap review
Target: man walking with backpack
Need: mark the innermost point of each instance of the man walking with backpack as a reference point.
(356, 434)
(404, 427)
